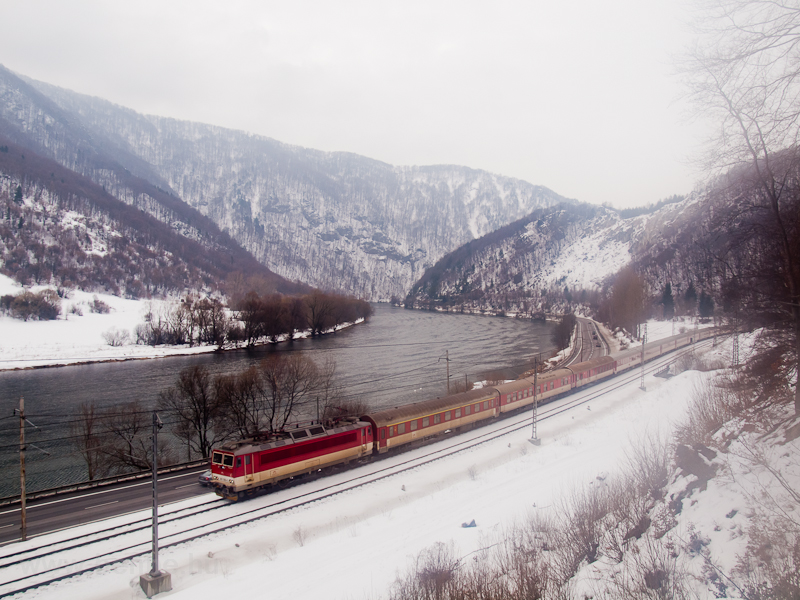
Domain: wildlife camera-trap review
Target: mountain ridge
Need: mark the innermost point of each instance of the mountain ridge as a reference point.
(335, 220)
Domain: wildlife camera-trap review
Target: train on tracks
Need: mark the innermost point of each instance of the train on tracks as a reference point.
(244, 467)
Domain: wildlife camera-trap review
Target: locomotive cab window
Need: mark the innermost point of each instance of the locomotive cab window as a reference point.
(227, 460)
(216, 458)
(247, 459)
(238, 461)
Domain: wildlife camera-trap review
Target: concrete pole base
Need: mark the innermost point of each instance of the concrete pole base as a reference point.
(155, 584)
(535, 441)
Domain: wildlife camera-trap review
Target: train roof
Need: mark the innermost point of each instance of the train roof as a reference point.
(287, 437)
(524, 382)
(417, 410)
(590, 364)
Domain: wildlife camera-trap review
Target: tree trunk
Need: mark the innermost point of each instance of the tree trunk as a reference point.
(797, 366)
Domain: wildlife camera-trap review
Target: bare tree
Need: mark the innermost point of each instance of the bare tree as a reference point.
(212, 321)
(321, 308)
(744, 73)
(240, 406)
(562, 334)
(194, 408)
(127, 431)
(286, 384)
(250, 311)
(627, 303)
(88, 438)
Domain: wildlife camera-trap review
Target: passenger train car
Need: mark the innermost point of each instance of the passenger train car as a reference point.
(239, 468)
(242, 467)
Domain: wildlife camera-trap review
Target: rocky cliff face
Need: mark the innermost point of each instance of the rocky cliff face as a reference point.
(333, 220)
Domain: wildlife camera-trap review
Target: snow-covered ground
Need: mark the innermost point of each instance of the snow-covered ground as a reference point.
(79, 335)
(74, 338)
(354, 545)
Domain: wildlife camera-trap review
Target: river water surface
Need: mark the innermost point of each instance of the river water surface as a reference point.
(397, 357)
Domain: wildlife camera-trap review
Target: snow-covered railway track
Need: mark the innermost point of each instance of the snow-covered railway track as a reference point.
(23, 573)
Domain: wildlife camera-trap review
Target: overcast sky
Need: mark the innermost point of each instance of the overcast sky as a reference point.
(577, 96)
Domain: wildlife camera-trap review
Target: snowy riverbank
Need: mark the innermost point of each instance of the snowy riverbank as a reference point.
(78, 335)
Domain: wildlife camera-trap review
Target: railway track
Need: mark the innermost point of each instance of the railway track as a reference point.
(47, 563)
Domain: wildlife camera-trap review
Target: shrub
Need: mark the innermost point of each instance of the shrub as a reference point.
(44, 305)
(116, 337)
(99, 307)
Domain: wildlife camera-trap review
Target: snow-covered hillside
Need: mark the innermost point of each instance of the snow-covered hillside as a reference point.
(329, 219)
(531, 266)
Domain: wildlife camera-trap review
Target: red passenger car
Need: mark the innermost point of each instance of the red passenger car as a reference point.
(243, 466)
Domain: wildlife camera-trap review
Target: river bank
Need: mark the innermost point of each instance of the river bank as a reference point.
(78, 336)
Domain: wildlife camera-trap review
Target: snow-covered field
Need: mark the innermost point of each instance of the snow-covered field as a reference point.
(74, 338)
(354, 545)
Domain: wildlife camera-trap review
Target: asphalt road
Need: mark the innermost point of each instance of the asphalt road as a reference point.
(589, 343)
(59, 512)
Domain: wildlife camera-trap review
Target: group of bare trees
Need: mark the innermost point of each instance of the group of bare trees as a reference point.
(252, 318)
(270, 317)
(204, 321)
(744, 74)
(202, 410)
(116, 440)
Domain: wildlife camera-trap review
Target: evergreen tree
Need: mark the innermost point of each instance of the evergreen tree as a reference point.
(706, 307)
(668, 301)
(690, 298)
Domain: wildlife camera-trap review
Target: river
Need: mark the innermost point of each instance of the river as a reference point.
(397, 357)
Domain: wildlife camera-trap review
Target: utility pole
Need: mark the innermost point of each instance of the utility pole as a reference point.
(644, 341)
(447, 360)
(23, 523)
(535, 440)
(156, 581)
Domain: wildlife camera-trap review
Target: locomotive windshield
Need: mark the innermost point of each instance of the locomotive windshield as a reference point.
(218, 458)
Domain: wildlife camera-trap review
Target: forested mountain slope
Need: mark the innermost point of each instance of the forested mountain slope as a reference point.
(330, 219)
(568, 254)
(60, 227)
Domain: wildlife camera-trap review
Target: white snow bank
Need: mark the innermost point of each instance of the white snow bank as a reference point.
(74, 338)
